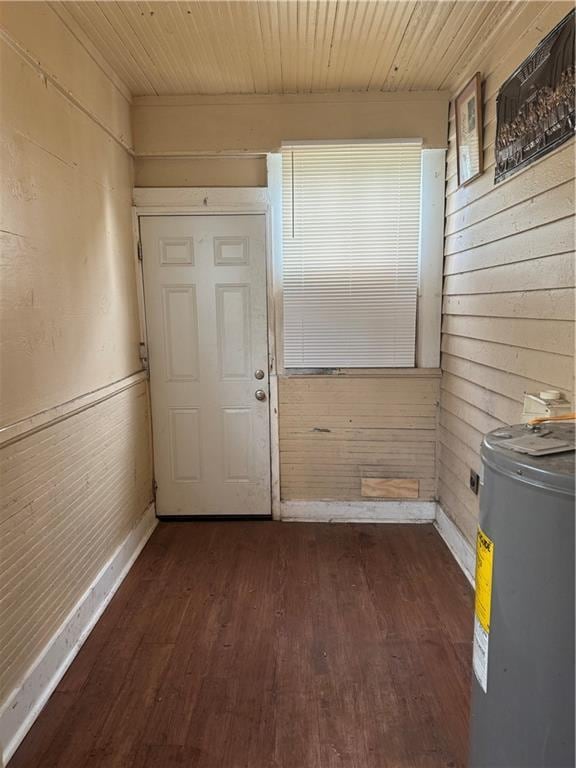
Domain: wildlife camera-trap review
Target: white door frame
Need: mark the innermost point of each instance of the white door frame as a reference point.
(174, 201)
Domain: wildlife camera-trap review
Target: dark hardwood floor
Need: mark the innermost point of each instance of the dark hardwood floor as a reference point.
(271, 645)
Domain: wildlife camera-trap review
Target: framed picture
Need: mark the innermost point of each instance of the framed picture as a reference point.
(535, 106)
(468, 111)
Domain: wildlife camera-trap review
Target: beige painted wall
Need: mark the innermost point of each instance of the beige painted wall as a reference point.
(508, 324)
(336, 430)
(73, 488)
(71, 494)
(248, 171)
(69, 309)
(180, 126)
(314, 464)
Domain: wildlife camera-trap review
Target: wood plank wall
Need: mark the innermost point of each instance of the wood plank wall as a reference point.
(336, 430)
(73, 490)
(71, 494)
(508, 324)
(69, 313)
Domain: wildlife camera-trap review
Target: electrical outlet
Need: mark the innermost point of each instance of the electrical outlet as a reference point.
(474, 482)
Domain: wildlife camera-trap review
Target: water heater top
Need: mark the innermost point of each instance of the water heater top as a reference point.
(555, 471)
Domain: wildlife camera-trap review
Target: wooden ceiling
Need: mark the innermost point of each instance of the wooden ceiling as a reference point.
(299, 46)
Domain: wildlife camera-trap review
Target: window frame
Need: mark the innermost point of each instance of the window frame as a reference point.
(430, 266)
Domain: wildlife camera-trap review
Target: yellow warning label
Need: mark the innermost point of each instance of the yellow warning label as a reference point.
(484, 562)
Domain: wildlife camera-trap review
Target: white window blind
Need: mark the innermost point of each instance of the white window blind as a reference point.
(351, 225)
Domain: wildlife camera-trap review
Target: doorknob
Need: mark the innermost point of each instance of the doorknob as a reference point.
(260, 394)
(259, 374)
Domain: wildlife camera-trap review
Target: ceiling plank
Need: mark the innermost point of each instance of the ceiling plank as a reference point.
(294, 46)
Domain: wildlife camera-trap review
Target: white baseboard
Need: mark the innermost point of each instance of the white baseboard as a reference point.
(24, 705)
(358, 511)
(457, 543)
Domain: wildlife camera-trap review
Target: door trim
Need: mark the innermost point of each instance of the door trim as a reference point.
(190, 201)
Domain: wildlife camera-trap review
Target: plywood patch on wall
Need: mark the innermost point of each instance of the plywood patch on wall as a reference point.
(389, 488)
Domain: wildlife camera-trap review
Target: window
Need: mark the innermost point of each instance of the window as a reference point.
(350, 246)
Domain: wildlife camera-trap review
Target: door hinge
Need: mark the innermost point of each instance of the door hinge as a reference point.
(143, 353)
(139, 247)
(154, 488)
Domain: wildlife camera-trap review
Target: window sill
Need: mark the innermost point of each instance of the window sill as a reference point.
(331, 373)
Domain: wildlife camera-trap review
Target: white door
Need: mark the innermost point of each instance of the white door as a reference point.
(206, 317)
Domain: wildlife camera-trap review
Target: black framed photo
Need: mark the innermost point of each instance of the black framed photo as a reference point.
(468, 113)
(535, 106)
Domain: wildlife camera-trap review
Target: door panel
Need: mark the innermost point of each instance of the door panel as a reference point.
(237, 444)
(179, 310)
(184, 425)
(233, 327)
(206, 317)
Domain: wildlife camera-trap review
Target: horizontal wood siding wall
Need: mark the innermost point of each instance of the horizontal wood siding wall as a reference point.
(336, 430)
(508, 322)
(70, 495)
